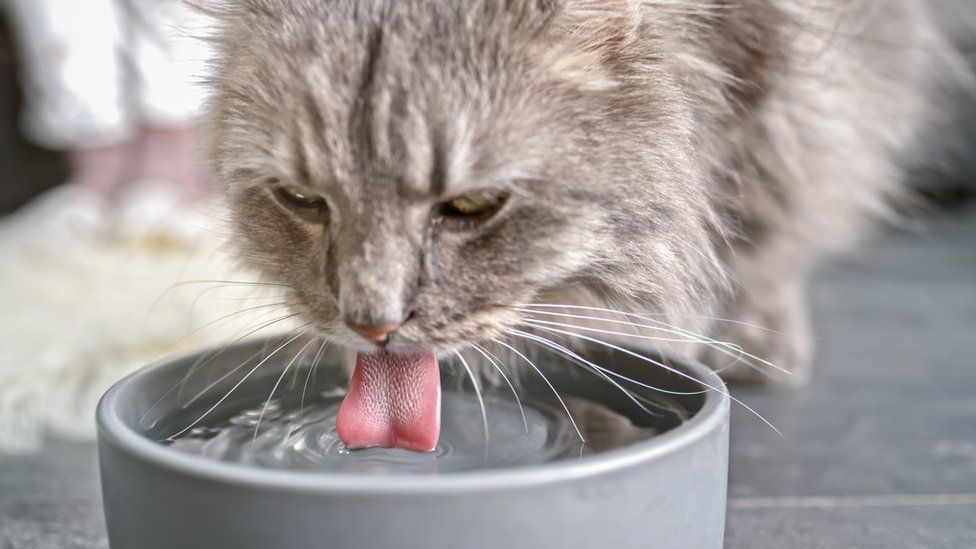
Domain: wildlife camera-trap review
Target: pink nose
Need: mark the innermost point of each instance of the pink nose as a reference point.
(376, 333)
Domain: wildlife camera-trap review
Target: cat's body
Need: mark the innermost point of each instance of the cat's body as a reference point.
(684, 158)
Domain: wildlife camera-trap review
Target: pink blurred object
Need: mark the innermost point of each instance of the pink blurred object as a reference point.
(104, 170)
(169, 155)
(157, 156)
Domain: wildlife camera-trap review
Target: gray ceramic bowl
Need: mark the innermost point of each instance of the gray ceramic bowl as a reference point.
(668, 491)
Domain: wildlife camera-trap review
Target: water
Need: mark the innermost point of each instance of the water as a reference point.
(303, 438)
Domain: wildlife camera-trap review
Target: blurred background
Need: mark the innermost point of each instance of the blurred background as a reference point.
(103, 209)
(86, 85)
(107, 227)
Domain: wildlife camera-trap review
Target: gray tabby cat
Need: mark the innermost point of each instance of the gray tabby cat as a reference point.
(417, 171)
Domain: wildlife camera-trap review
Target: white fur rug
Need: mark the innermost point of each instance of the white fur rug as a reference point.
(85, 299)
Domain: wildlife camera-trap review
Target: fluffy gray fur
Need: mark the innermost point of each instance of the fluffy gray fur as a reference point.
(689, 158)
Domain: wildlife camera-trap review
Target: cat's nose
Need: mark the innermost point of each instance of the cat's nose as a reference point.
(377, 333)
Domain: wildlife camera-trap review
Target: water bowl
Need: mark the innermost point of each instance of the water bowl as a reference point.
(650, 470)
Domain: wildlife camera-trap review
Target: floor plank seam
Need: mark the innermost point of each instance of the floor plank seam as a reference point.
(828, 502)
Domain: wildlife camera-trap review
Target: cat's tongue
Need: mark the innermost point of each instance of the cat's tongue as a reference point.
(394, 401)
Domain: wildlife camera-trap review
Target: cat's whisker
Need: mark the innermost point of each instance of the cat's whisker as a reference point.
(736, 360)
(535, 322)
(294, 379)
(204, 360)
(228, 283)
(720, 346)
(315, 364)
(249, 298)
(481, 400)
(593, 368)
(221, 283)
(232, 315)
(720, 389)
(492, 359)
(609, 332)
(216, 382)
(559, 350)
(213, 353)
(679, 315)
(687, 336)
(547, 382)
(178, 385)
(202, 293)
(539, 339)
(234, 388)
(267, 403)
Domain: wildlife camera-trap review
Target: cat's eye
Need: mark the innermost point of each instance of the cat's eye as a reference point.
(306, 204)
(476, 206)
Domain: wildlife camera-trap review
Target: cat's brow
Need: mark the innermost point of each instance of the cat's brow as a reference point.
(438, 171)
(429, 177)
(419, 190)
(436, 189)
(299, 159)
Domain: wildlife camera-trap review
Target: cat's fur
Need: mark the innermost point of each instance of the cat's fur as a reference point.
(685, 157)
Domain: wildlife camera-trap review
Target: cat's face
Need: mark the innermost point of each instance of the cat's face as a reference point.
(434, 164)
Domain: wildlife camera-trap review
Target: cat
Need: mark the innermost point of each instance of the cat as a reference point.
(426, 174)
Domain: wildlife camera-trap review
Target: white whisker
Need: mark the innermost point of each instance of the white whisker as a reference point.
(609, 332)
(264, 409)
(481, 400)
(198, 364)
(669, 369)
(607, 371)
(598, 370)
(492, 358)
(199, 296)
(315, 364)
(220, 283)
(720, 346)
(535, 322)
(212, 384)
(546, 380)
(204, 360)
(234, 314)
(234, 388)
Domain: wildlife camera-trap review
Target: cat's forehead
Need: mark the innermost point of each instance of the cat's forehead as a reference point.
(421, 140)
(414, 158)
(430, 104)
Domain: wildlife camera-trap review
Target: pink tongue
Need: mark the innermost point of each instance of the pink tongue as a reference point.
(394, 401)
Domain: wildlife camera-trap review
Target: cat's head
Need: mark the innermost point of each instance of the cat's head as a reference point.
(430, 165)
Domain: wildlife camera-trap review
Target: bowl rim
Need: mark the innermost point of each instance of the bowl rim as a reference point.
(113, 431)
